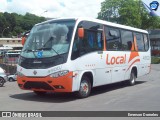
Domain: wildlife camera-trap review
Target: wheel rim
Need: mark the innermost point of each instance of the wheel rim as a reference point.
(84, 88)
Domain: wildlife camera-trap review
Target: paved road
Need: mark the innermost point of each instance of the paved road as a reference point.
(144, 96)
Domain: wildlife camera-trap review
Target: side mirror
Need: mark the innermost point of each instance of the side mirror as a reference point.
(25, 35)
(81, 33)
(23, 40)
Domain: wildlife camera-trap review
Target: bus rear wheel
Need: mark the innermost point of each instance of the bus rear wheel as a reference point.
(40, 93)
(132, 79)
(85, 88)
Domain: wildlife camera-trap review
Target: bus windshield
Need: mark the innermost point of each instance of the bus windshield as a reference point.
(49, 39)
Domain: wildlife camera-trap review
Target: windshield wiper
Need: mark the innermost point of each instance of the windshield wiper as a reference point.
(50, 48)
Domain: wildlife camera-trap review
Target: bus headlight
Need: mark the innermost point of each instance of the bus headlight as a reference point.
(20, 74)
(59, 74)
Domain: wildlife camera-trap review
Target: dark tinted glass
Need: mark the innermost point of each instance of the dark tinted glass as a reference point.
(92, 41)
(127, 39)
(140, 42)
(146, 42)
(112, 38)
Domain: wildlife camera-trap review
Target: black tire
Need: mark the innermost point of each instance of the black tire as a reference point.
(85, 88)
(40, 93)
(1, 82)
(11, 79)
(132, 79)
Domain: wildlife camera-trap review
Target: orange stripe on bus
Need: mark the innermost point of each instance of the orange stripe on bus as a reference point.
(137, 60)
(135, 43)
(134, 50)
(133, 55)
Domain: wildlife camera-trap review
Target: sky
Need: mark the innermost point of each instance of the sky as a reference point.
(54, 8)
(57, 8)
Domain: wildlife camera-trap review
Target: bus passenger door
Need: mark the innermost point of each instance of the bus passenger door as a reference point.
(116, 62)
(103, 72)
(115, 57)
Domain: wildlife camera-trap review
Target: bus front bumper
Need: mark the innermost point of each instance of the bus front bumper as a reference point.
(48, 84)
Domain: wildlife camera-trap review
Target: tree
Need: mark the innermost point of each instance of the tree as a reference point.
(109, 10)
(11, 21)
(3, 23)
(17, 23)
(128, 12)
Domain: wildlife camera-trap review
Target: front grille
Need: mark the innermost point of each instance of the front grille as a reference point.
(37, 85)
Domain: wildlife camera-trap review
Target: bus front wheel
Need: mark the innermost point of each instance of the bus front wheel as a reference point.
(85, 87)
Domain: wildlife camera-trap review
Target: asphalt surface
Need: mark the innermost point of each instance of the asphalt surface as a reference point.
(144, 96)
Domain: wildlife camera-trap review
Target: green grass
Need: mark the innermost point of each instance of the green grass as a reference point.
(155, 60)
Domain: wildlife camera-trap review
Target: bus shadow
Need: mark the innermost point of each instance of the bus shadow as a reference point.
(111, 87)
(49, 97)
(68, 97)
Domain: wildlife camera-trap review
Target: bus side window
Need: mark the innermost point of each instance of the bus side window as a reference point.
(113, 39)
(140, 41)
(99, 40)
(127, 40)
(146, 42)
(92, 42)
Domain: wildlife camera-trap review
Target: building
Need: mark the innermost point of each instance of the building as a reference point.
(10, 43)
(155, 42)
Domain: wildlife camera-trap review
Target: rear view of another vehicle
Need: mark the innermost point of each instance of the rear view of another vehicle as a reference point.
(3, 77)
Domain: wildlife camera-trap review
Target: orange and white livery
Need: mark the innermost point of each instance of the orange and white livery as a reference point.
(76, 54)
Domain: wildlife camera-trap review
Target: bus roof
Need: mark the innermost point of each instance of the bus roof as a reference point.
(101, 22)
